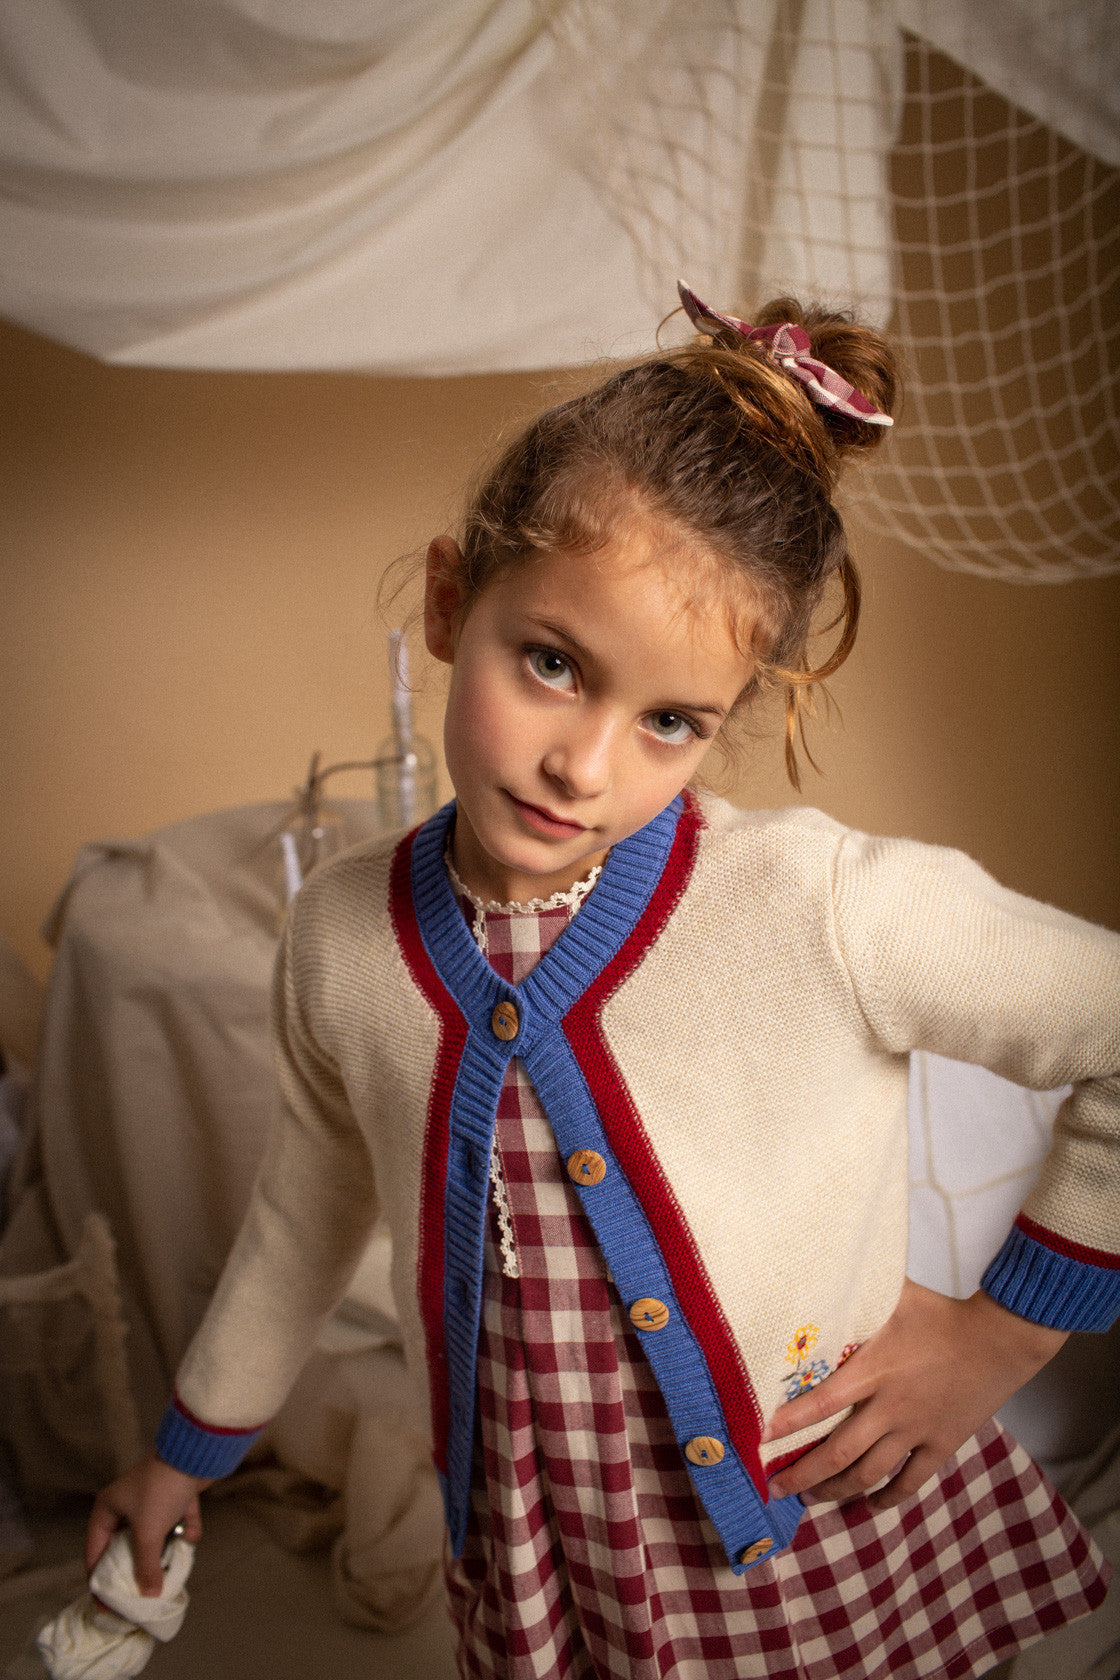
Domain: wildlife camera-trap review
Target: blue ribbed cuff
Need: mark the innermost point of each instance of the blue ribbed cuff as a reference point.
(1051, 1288)
(198, 1451)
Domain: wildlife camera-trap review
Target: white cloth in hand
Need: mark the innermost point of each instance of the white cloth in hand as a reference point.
(111, 1631)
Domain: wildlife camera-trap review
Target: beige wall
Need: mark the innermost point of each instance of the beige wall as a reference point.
(190, 564)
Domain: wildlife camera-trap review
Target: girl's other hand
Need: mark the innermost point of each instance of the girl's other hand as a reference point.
(151, 1498)
(920, 1387)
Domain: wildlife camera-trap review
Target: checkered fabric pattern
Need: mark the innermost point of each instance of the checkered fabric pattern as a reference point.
(588, 1556)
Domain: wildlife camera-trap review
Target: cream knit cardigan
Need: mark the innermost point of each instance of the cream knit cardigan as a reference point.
(762, 1035)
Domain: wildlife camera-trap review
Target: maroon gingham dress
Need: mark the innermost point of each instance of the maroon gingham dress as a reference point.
(588, 1555)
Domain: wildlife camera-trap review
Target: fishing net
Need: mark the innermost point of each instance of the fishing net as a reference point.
(948, 170)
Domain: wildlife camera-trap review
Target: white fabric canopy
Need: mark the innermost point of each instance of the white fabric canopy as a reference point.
(1057, 59)
(263, 183)
(403, 188)
(450, 186)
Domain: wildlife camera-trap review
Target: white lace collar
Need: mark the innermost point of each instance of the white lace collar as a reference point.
(573, 897)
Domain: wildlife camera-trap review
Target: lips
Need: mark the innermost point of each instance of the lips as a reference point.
(546, 822)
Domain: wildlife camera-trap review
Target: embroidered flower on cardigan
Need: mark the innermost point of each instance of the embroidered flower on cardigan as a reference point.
(806, 1373)
(804, 1378)
(804, 1337)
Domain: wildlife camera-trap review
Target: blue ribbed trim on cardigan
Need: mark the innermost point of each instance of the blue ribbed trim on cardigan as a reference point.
(605, 921)
(1051, 1288)
(199, 1451)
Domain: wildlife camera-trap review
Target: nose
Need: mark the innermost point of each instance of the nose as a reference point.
(579, 762)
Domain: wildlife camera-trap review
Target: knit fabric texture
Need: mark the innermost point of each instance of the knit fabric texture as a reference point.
(727, 1021)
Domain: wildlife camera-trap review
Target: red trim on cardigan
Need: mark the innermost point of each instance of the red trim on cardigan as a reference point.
(784, 1461)
(623, 1125)
(1064, 1245)
(213, 1428)
(433, 1183)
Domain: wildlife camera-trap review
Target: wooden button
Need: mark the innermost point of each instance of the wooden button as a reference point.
(703, 1449)
(752, 1553)
(586, 1166)
(504, 1021)
(648, 1314)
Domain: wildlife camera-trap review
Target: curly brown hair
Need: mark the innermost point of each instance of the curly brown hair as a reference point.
(720, 444)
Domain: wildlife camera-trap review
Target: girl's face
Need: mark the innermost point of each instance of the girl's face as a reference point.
(584, 693)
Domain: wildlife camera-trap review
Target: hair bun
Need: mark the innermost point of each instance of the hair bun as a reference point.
(858, 353)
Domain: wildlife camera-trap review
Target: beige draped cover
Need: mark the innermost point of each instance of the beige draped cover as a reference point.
(148, 1115)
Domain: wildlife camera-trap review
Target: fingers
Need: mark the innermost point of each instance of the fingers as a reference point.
(846, 1387)
(814, 1407)
(830, 1459)
(886, 1458)
(149, 1530)
(842, 1474)
(914, 1474)
(147, 1544)
(919, 1387)
(192, 1523)
(147, 1549)
(151, 1499)
(857, 1458)
(103, 1524)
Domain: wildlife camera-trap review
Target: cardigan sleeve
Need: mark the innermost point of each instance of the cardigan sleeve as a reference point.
(309, 1218)
(942, 958)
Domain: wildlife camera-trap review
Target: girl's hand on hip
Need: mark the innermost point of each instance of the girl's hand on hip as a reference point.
(151, 1498)
(919, 1388)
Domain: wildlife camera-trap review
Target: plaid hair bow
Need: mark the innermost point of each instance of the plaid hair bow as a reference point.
(788, 344)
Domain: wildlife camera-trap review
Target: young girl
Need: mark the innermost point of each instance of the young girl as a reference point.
(626, 1071)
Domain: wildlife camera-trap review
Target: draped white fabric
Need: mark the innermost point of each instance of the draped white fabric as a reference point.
(264, 183)
(1060, 62)
(447, 186)
(404, 188)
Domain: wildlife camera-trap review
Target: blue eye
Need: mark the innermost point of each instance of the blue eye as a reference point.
(673, 727)
(551, 668)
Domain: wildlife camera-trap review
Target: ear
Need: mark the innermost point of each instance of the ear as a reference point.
(443, 597)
